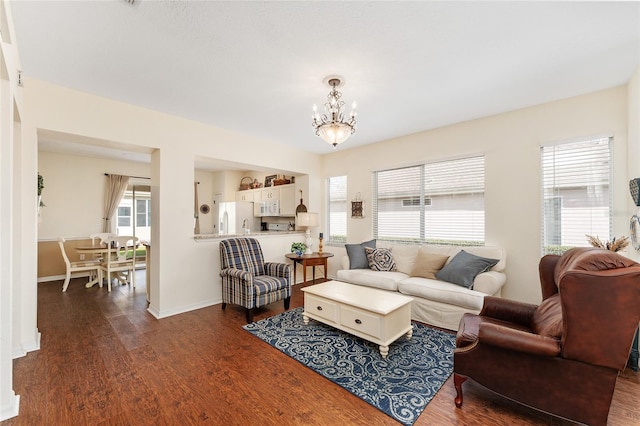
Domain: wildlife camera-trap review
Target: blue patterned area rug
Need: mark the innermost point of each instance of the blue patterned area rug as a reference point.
(400, 386)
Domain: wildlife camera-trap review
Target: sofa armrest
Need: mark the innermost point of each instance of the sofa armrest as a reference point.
(236, 273)
(508, 310)
(489, 282)
(344, 262)
(518, 340)
(276, 269)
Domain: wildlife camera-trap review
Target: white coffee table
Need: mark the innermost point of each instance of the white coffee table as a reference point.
(375, 315)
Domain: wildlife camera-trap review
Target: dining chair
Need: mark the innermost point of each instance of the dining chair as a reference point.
(123, 260)
(101, 238)
(92, 266)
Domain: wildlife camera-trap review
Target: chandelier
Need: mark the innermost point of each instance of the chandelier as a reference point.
(332, 126)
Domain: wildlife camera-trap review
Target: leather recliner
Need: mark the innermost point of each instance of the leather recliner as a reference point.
(563, 356)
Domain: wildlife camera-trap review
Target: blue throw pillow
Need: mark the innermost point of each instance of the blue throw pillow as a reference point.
(464, 267)
(357, 256)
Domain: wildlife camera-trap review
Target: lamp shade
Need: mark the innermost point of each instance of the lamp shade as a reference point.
(307, 219)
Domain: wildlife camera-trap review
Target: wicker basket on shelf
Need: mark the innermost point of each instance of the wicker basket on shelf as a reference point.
(245, 183)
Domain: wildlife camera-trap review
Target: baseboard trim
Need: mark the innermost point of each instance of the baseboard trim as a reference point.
(26, 347)
(61, 277)
(12, 409)
(170, 312)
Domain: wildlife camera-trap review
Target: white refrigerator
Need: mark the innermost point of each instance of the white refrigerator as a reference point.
(234, 217)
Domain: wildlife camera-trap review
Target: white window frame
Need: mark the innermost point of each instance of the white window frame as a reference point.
(578, 176)
(337, 217)
(448, 207)
(128, 217)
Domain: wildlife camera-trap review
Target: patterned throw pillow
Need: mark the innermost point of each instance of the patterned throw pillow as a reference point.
(380, 259)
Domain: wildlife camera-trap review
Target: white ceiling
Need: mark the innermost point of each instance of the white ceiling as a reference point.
(257, 66)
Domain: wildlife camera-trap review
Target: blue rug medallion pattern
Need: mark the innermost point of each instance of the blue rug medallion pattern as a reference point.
(400, 386)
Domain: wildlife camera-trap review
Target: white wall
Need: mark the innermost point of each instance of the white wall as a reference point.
(74, 191)
(511, 144)
(633, 153)
(18, 333)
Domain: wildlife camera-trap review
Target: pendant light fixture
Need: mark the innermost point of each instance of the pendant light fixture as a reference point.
(333, 126)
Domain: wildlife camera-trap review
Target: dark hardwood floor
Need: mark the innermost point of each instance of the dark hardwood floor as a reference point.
(105, 360)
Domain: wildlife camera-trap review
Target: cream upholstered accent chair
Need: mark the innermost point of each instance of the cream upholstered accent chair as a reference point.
(93, 266)
(122, 261)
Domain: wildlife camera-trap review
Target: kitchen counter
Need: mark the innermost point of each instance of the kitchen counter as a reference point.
(250, 234)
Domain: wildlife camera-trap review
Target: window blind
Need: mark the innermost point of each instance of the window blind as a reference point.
(576, 196)
(438, 203)
(337, 209)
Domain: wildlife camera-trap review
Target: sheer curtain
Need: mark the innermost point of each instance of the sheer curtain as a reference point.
(116, 185)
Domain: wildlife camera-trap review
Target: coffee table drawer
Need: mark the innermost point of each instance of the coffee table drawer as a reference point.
(321, 307)
(362, 321)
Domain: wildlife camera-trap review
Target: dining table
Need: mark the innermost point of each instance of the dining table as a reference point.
(95, 248)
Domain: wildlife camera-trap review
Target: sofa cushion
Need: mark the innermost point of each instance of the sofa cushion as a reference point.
(384, 280)
(427, 264)
(491, 253)
(357, 255)
(442, 291)
(547, 318)
(380, 259)
(464, 267)
(405, 256)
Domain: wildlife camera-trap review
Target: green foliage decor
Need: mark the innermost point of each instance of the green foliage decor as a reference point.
(40, 184)
(298, 247)
(40, 188)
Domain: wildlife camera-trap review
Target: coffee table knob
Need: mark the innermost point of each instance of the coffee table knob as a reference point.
(319, 308)
(358, 321)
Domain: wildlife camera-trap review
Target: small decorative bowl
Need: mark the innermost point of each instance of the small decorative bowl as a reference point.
(298, 253)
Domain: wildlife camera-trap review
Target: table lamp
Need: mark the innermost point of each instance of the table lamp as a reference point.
(309, 220)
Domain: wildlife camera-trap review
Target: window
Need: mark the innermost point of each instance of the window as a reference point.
(576, 199)
(143, 213)
(436, 203)
(124, 216)
(337, 209)
(134, 212)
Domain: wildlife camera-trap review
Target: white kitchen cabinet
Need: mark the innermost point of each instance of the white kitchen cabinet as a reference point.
(287, 200)
(270, 194)
(247, 195)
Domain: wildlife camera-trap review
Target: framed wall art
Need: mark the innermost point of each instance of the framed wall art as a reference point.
(268, 180)
(357, 209)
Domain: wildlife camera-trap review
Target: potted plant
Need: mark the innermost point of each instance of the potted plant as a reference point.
(40, 188)
(298, 248)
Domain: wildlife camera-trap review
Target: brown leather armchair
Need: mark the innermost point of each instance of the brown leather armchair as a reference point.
(562, 357)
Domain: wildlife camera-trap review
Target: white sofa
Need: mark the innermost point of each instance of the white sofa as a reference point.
(435, 302)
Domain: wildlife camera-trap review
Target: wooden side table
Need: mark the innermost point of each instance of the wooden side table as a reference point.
(313, 260)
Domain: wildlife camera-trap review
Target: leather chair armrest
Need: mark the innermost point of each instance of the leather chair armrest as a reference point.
(546, 269)
(508, 310)
(277, 269)
(236, 273)
(518, 340)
